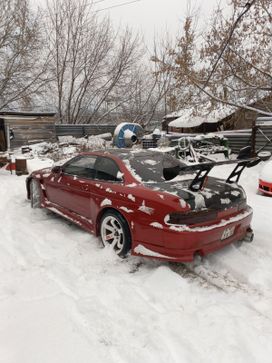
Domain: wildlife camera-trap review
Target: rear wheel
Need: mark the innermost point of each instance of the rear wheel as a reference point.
(114, 231)
(35, 194)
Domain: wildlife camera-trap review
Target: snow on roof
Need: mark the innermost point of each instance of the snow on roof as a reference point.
(189, 118)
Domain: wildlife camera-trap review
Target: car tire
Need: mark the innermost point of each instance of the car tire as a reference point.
(114, 231)
(35, 194)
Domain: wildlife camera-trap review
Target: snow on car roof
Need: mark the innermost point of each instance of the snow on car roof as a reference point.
(130, 154)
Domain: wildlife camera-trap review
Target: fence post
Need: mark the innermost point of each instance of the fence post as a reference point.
(253, 138)
(8, 137)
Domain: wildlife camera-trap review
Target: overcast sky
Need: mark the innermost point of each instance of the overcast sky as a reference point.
(155, 16)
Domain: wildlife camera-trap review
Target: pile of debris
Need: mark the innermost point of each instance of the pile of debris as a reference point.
(66, 147)
(22, 160)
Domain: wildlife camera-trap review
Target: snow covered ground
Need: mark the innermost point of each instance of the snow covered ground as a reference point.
(65, 299)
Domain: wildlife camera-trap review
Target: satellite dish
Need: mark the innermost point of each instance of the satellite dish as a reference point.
(127, 134)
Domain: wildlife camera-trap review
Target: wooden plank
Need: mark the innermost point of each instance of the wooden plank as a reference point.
(13, 123)
(34, 136)
(32, 132)
(38, 126)
(17, 143)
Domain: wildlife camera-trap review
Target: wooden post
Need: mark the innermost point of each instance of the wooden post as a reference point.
(7, 137)
(253, 138)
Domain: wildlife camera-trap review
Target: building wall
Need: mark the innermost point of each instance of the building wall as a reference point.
(245, 119)
(240, 120)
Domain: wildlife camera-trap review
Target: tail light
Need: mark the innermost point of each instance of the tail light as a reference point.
(193, 217)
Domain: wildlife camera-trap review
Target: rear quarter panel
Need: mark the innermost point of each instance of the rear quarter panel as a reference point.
(144, 209)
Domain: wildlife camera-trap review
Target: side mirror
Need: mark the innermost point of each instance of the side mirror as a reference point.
(57, 169)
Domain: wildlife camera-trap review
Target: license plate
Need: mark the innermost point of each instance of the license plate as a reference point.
(227, 233)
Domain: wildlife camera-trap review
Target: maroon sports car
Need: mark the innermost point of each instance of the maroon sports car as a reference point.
(146, 202)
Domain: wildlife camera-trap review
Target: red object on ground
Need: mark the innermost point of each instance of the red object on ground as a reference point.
(11, 166)
(164, 219)
(265, 187)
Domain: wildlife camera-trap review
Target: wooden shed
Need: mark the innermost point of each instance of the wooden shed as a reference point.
(245, 119)
(24, 128)
(223, 118)
(196, 121)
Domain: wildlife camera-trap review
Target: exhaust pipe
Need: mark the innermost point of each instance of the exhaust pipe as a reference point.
(249, 235)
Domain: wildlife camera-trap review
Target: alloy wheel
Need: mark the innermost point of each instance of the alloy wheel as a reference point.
(112, 233)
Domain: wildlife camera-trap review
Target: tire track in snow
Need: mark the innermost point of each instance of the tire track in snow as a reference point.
(213, 279)
(221, 282)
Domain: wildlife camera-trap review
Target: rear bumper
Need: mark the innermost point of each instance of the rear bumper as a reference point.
(182, 244)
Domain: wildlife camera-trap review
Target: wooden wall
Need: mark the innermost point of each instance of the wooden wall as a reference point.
(29, 130)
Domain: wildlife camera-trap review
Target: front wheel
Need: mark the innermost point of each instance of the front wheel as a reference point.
(35, 194)
(114, 231)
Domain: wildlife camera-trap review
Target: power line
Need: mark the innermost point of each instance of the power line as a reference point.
(116, 6)
(247, 6)
(98, 1)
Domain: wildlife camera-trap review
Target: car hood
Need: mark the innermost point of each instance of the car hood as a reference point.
(216, 195)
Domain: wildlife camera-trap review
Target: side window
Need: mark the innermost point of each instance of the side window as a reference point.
(82, 166)
(107, 169)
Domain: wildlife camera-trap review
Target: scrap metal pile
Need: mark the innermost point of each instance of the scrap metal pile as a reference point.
(198, 148)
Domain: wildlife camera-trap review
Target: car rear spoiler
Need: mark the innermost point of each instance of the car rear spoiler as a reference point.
(203, 169)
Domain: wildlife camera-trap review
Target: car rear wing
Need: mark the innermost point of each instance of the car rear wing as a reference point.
(203, 169)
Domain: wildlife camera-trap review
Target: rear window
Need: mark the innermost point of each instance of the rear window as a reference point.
(106, 169)
(155, 167)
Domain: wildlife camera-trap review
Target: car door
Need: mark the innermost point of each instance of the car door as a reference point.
(71, 188)
(108, 179)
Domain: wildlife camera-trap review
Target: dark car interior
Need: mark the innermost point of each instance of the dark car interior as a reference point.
(92, 167)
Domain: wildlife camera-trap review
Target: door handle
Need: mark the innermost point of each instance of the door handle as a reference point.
(85, 187)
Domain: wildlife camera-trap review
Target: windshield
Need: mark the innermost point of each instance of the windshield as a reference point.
(153, 167)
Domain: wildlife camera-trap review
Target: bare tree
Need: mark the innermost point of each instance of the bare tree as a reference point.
(89, 60)
(230, 63)
(150, 87)
(22, 69)
(141, 95)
